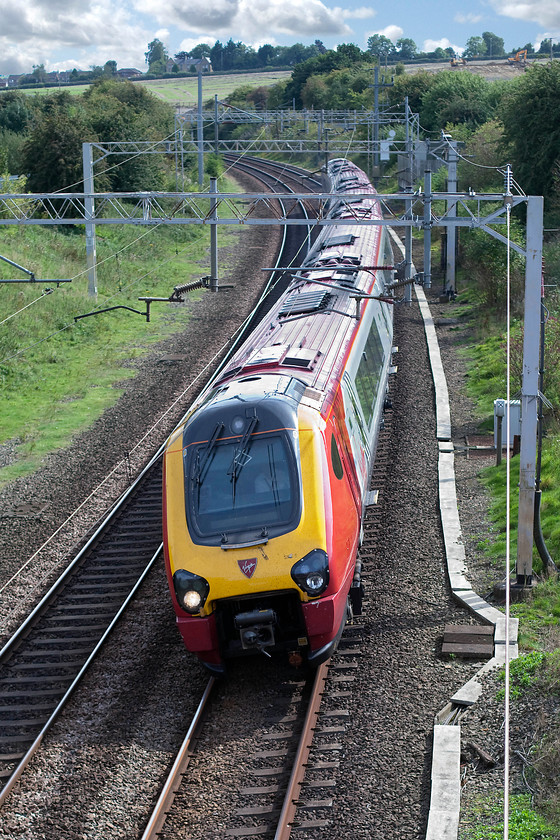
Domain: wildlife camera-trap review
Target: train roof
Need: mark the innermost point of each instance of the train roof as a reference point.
(310, 330)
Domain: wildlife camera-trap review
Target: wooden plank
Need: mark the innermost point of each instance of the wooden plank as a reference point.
(471, 651)
(478, 629)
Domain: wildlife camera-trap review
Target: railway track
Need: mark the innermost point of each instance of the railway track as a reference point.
(45, 659)
(286, 770)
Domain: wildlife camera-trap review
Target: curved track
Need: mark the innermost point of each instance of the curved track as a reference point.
(46, 657)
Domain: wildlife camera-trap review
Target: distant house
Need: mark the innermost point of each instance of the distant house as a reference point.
(3, 82)
(13, 81)
(129, 73)
(57, 77)
(199, 65)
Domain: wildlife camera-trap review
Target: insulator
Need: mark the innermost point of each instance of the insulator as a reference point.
(507, 179)
(188, 287)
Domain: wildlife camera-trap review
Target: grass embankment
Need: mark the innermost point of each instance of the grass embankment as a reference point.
(184, 91)
(58, 376)
(535, 817)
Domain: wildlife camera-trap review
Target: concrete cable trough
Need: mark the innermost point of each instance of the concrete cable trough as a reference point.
(443, 819)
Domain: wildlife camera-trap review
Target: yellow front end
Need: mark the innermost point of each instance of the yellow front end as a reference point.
(261, 568)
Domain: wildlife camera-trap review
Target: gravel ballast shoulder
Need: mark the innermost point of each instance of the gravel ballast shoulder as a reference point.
(99, 769)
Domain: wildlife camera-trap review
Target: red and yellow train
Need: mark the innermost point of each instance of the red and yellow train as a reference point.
(265, 482)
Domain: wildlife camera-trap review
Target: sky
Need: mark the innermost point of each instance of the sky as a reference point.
(63, 34)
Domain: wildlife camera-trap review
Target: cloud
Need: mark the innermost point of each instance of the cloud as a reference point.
(392, 32)
(468, 18)
(361, 13)
(431, 46)
(38, 31)
(544, 12)
(249, 18)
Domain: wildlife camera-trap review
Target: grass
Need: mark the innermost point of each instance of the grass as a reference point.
(58, 376)
(524, 822)
(184, 91)
(522, 673)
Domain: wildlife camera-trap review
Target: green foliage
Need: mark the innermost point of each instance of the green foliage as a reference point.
(413, 85)
(539, 616)
(110, 109)
(530, 113)
(484, 260)
(11, 146)
(320, 65)
(524, 822)
(475, 46)
(494, 45)
(156, 55)
(380, 46)
(522, 673)
(456, 98)
(15, 111)
(52, 156)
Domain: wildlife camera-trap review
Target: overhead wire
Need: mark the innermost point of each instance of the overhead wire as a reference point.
(31, 303)
(231, 342)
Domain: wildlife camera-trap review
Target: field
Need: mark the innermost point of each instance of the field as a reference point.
(183, 92)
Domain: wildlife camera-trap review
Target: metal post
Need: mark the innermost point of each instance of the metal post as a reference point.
(199, 133)
(408, 205)
(427, 226)
(376, 120)
(452, 156)
(216, 130)
(213, 236)
(89, 215)
(529, 390)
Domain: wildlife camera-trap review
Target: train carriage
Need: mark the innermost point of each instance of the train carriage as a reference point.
(265, 481)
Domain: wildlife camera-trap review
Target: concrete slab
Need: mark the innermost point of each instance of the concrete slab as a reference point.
(443, 414)
(468, 694)
(443, 820)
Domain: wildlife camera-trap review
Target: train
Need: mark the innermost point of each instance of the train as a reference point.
(266, 480)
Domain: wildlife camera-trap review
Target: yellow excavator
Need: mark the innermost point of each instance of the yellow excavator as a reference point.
(457, 61)
(519, 58)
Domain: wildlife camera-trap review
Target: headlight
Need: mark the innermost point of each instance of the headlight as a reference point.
(191, 590)
(311, 573)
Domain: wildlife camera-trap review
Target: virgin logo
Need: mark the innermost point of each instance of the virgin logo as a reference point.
(248, 566)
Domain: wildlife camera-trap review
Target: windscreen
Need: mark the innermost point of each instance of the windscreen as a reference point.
(238, 486)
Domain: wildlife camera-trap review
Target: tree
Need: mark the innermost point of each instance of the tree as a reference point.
(200, 51)
(474, 47)
(52, 156)
(39, 72)
(411, 85)
(266, 55)
(406, 49)
(217, 56)
(494, 45)
(350, 53)
(156, 56)
(380, 46)
(456, 98)
(110, 69)
(15, 111)
(531, 117)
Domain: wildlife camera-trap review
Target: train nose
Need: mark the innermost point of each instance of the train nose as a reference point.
(256, 629)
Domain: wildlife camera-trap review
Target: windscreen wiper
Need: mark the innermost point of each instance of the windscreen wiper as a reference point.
(203, 459)
(241, 455)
